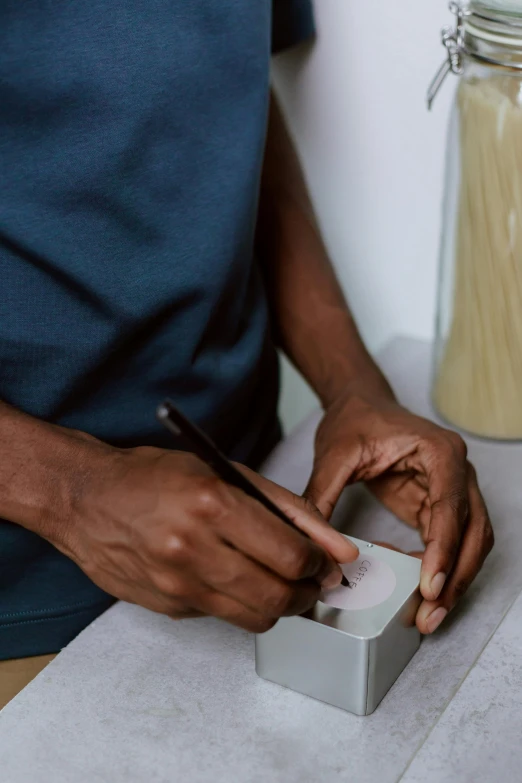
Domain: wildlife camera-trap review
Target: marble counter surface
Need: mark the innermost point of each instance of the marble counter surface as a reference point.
(478, 737)
(137, 697)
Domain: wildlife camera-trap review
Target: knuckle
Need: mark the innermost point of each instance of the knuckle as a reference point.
(281, 601)
(176, 614)
(447, 445)
(312, 495)
(459, 503)
(261, 625)
(309, 506)
(472, 471)
(458, 444)
(193, 462)
(178, 610)
(208, 500)
(455, 500)
(145, 451)
(167, 584)
(297, 563)
(460, 587)
(489, 538)
(149, 455)
(177, 548)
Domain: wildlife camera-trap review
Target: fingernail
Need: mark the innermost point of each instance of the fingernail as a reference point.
(435, 618)
(354, 551)
(436, 585)
(332, 580)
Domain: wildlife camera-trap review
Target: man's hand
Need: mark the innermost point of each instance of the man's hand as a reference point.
(157, 528)
(417, 469)
(420, 472)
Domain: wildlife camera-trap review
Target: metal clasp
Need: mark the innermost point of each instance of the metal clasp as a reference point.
(453, 41)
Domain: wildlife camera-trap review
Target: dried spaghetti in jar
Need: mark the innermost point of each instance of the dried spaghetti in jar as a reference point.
(478, 362)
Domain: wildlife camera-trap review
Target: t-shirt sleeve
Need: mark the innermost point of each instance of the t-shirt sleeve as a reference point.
(292, 23)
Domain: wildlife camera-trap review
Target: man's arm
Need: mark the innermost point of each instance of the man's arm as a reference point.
(309, 307)
(417, 469)
(159, 529)
(43, 470)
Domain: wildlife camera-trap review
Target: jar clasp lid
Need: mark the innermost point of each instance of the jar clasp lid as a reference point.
(452, 40)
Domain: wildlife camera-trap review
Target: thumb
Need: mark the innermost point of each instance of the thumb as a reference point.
(329, 477)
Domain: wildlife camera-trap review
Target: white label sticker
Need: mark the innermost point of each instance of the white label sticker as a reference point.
(371, 581)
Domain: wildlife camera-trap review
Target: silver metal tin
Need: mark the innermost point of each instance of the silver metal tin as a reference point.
(350, 658)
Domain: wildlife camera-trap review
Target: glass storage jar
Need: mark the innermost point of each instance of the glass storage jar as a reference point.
(477, 382)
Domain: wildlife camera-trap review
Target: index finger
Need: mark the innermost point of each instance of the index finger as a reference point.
(253, 530)
(448, 494)
(307, 517)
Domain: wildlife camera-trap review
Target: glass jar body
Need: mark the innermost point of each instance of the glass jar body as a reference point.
(478, 356)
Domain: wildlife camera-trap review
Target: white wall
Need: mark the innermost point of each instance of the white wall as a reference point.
(374, 157)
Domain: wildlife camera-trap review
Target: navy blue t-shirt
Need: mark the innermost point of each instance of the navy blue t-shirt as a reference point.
(131, 144)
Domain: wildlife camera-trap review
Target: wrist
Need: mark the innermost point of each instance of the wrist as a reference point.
(82, 467)
(367, 384)
(44, 470)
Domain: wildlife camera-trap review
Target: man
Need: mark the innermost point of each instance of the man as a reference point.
(156, 239)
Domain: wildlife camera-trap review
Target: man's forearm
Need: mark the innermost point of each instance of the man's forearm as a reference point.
(42, 470)
(313, 323)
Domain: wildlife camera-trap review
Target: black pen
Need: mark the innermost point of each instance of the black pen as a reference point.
(208, 452)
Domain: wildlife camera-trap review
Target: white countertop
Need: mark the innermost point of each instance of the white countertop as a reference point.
(137, 697)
